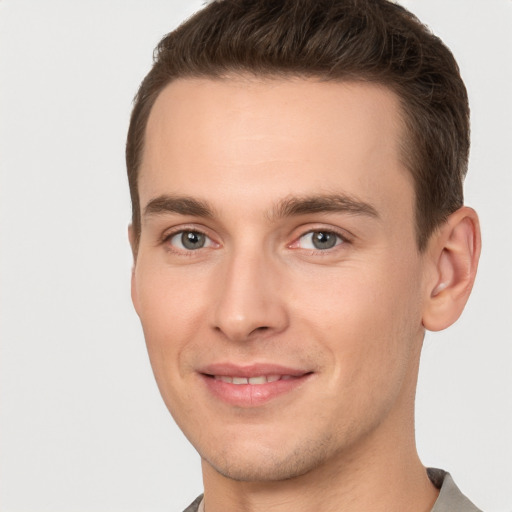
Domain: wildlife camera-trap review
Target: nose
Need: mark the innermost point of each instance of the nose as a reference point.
(251, 301)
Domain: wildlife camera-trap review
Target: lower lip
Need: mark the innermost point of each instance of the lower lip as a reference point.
(252, 395)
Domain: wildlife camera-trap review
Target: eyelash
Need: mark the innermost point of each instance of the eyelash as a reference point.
(342, 239)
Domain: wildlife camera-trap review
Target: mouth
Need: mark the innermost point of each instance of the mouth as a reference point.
(255, 381)
(252, 386)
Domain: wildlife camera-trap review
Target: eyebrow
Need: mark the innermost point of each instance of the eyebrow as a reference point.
(178, 204)
(323, 204)
(288, 207)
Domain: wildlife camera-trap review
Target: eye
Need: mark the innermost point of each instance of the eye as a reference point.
(189, 240)
(320, 240)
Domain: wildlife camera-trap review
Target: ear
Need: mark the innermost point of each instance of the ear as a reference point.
(453, 250)
(132, 237)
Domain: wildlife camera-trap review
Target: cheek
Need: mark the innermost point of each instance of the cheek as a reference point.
(170, 308)
(372, 351)
(369, 320)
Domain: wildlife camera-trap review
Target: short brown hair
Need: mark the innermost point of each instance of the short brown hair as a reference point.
(364, 40)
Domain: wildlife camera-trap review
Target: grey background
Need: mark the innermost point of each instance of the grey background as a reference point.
(82, 425)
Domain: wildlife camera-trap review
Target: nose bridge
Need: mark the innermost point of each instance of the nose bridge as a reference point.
(249, 299)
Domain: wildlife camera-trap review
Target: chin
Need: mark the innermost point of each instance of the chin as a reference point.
(266, 465)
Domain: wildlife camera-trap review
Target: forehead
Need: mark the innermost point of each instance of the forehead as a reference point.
(275, 136)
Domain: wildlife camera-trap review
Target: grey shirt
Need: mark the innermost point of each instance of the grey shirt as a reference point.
(450, 498)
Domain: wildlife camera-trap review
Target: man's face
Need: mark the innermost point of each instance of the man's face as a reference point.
(277, 278)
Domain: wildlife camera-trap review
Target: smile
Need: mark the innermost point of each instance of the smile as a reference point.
(252, 386)
(262, 379)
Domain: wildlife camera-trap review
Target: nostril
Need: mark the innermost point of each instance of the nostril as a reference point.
(261, 329)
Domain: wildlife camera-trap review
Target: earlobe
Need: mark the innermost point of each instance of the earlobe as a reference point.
(454, 251)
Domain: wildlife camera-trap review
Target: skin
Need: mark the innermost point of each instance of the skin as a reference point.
(352, 316)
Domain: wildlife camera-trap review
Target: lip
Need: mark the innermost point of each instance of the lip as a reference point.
(251, 395)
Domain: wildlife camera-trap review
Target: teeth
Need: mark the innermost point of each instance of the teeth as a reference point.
(262, 379)
(258, 380)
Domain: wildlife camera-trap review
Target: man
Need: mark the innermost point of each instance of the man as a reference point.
(296, 173)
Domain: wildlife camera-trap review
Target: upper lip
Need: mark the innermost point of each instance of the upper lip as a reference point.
(251, 370)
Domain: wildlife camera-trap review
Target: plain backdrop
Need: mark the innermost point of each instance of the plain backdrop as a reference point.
(83, 428)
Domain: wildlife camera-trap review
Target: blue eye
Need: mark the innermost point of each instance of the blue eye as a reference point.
(320, 240)
(190, 240)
